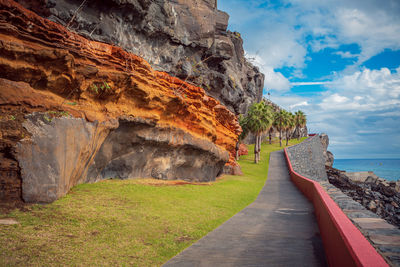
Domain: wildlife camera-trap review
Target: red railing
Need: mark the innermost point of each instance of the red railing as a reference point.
(343, 242)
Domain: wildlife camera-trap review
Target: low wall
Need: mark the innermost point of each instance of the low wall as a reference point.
(343, 242)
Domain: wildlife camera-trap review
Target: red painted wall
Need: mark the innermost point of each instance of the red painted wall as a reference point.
(343, 242)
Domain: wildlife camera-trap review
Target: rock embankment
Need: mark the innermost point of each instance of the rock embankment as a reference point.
(73, 110)
(376, 194)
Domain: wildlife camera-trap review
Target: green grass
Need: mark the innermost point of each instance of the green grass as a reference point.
(128, 222)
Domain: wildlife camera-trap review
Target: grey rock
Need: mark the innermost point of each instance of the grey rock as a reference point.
(66, 151)
(371, 179)
(140, 148)
(56, 156)
(376, 194)
(328, 156)
(372, 206)
(324, 140)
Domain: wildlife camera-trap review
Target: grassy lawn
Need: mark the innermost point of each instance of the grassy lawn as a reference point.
(132, 222)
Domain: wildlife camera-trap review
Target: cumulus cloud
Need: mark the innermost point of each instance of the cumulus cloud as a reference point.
(291, 103)
(366, 108)
(360, 112)
(309, 83)
(273, 80)
(282, 35)
(346, 54)
(361, 109)
(368, 89)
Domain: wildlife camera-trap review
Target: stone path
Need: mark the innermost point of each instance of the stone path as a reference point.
(278, 229)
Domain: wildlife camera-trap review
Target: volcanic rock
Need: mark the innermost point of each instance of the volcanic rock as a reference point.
(185, 38)
(376, 194)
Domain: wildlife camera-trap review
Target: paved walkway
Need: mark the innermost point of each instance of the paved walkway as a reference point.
(278, 229)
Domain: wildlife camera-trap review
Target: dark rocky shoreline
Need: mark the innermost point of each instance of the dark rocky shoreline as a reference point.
(375, 194)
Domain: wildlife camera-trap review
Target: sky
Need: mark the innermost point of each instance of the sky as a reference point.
(336, 60)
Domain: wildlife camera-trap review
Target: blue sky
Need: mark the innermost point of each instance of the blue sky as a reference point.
(337, 60)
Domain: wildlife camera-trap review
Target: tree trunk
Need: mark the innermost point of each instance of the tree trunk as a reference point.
(270, 136)
(237, 150)
(287, 138)
(259, 147)
(298, 133)
(255, 149)
(280, 137)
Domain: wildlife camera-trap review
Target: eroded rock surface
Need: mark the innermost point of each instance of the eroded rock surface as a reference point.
(140, 148)
(65, 100)
(57, 155)
(186, 38)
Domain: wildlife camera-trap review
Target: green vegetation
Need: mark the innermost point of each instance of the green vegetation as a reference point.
(300, 121)
(258, 120)
(50, 115)
(100, 88)
(262, 119)
(129, 222)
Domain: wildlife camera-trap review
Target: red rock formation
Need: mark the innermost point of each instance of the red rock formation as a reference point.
(44, 67)
(243, 150)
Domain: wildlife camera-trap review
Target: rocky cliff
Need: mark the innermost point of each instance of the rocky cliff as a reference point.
(185, 38)
(75, 110)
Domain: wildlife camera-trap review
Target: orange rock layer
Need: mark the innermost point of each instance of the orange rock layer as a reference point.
(97, 81)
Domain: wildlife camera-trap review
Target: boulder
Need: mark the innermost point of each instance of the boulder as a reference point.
(328, 156)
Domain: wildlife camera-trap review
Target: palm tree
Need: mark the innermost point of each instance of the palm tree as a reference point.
(271, 130)
(259, 120)
(300, 121)
(280, 121)
(290, 126)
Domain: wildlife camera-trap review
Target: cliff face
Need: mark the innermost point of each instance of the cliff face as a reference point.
(185, 38)
(74, 110)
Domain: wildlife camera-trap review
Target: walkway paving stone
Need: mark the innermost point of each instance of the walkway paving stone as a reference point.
(278, 229)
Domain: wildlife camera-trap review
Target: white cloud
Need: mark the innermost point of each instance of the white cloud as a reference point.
(361, 112)
(273, 80)
(346, 54)
(309, 83)
(375, 85)
(301, 104)
(291, 103)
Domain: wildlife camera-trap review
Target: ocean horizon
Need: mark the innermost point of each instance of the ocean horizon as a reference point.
(388, 168)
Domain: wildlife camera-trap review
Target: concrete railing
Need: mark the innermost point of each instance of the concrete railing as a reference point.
(343, 242)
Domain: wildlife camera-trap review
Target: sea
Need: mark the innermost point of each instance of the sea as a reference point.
(388, 169)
